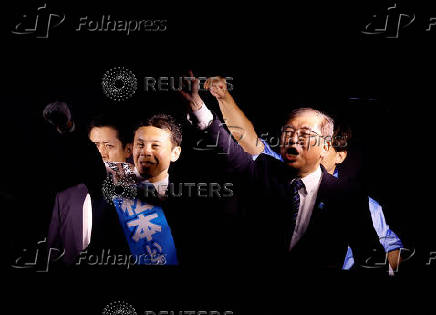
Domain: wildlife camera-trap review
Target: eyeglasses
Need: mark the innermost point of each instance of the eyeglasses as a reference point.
(304, 135)
(302, 132)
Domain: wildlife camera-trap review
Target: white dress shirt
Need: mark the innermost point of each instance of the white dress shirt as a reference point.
(204, 117)
(87, 221)
(161, 188)
(308, 196)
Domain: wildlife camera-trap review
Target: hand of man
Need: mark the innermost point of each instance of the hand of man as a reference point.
(218, 88)
(190, 92)
(59, 115)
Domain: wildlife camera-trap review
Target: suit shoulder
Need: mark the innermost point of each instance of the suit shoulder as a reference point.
(266, 160)
(74, 192)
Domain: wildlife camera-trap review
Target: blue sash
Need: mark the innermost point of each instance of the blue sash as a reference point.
(147, 232)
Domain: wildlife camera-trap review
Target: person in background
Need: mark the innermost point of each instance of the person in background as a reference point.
(243, 131)
(297, 213)
(71, 222)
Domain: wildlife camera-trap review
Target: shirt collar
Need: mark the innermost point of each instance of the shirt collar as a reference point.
(312, 181)
(161, 186)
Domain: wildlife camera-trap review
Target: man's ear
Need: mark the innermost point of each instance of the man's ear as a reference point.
(175, 153)
(340, 157)
(128, 149)
(326, 146)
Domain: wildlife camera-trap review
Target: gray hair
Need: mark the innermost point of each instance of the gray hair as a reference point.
(327, 123)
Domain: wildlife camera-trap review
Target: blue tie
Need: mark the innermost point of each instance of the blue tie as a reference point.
(296, 185)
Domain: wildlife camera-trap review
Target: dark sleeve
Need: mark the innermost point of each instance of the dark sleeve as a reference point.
(368, 253)
(232, 158)
(53, 238)
(82, 163)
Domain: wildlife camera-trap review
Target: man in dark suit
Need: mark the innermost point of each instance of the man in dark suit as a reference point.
(156, 145)
(73, 212)
(297, 214)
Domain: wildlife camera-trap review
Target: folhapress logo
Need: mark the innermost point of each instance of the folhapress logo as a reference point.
(39, 23)
(392, 21)
(42, 21)
(389, 22)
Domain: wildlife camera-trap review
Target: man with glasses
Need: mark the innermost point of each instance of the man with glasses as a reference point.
(337, 153)
(297, 213)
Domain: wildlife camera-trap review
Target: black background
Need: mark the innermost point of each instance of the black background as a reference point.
(280, 56)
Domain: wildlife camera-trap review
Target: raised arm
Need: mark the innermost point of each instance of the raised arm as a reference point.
(214, 136)
(239, 125)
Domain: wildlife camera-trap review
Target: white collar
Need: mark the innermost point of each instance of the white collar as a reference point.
(312, 181)
(161, 186)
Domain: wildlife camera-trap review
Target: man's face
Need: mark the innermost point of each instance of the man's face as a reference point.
(108, 144)
(333, 158)
(302, 147)
(153, 152)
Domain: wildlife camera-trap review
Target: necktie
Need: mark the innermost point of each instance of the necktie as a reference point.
(296, 185)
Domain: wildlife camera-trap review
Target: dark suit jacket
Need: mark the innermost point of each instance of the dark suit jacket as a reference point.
(66, 225)
(340, 216)
(192, 224)
(188, 217)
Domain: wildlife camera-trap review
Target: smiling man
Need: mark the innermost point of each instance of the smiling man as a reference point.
(139, 225)
(156, 144)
